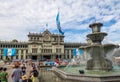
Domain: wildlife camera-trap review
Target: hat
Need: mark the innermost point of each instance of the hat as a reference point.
(24, 77)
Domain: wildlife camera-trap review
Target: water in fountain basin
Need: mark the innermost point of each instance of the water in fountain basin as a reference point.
(75, 70)
(76, 64)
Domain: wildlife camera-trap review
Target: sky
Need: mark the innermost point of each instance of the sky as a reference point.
(19, 17)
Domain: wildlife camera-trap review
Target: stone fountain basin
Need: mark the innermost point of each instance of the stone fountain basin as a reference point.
(97, 37)
(91, 76)
(109, 47)
(105, 47)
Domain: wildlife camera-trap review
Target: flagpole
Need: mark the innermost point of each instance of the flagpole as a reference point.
(58, 40)
(60, 32)
(58, 44)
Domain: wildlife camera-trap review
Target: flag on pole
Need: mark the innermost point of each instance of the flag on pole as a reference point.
(81, 51)
(74, 52)
(58, 24)
(9, 51)
(77, 52)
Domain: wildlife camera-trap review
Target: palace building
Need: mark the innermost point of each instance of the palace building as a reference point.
(44, 45)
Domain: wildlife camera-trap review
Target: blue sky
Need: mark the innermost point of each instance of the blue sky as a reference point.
(19, 17)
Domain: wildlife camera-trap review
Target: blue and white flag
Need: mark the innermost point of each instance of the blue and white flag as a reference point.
(77, 52)
(74, 52)
(58, 24)
(9, 51)
(81, 51)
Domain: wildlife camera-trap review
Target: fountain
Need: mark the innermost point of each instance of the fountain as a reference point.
(98, 68)
(98, 51)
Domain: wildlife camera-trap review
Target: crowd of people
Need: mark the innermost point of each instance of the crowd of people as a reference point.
(20, 74)
(56, 62)
(20, 71)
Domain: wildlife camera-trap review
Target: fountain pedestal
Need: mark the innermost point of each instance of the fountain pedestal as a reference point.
(98, 61)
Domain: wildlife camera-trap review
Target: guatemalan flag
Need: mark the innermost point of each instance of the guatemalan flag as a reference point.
(77, 52)
(81, 51)
(58, 24)
(9, 51)
(74, 52)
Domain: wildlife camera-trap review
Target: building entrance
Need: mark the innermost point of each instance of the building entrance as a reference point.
(34, 57)
(47, 57)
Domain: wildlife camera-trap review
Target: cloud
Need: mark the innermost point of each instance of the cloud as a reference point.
(19, 17)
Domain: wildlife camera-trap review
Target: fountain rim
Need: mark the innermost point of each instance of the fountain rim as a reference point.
(98, 24)
(99, 45)
(56, 69)
(98, 33)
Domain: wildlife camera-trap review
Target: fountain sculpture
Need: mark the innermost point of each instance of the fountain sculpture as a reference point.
(99, 68)
(98, 51)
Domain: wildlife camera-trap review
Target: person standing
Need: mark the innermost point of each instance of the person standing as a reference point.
(34, 75)
(1, 69)
(57, 62)
(23, 69)
(4, 75)
(16, 74)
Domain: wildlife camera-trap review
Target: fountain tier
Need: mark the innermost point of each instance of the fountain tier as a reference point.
(97, 37)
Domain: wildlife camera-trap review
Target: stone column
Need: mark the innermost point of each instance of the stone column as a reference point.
(19, 54)
(69, 54)
(24, 54)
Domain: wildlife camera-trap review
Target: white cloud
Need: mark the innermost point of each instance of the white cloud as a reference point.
(74, 37)
(18, 17)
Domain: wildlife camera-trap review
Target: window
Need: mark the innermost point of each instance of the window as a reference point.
(16, 56)
(2, 51)
(21, 56)
(34, 50)
(58, 50)
(21, 51)
(31, 38)
(17, 51)
(46, 51)
(37, 38)
(26, 51)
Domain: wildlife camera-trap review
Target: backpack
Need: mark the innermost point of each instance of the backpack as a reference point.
(35, 73)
